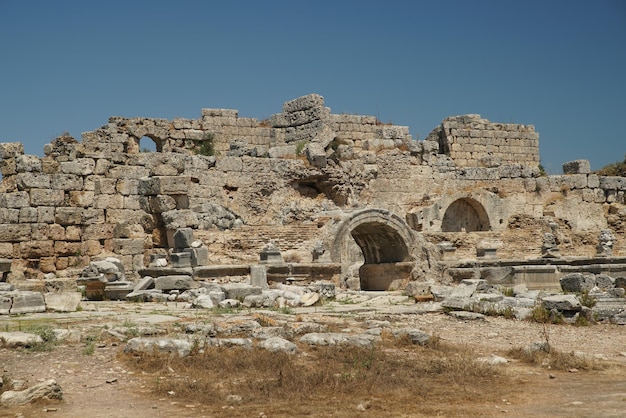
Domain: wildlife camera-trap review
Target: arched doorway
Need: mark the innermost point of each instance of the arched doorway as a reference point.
(465, 214)
(385, 242)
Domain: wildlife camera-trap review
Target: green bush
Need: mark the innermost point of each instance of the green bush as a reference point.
(206, 146)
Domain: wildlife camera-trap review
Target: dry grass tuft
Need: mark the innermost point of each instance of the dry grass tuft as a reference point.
(555, 359)
(322, 376)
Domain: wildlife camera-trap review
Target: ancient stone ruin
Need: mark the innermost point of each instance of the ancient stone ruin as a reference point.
(302, 197)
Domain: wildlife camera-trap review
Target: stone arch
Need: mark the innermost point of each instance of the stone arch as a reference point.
(386, 243)
(148, 144)
(487, 210)
(465, 214)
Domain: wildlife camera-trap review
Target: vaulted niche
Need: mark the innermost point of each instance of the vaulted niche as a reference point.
(465, 215)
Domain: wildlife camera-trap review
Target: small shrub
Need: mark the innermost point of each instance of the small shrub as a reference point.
(587, 300)
(48, 337)
(206, 147)
(508, 292)
(300, 146)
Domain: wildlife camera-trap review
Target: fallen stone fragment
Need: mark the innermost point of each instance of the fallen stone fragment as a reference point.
(19, 339)
(310, 299)
(48, 390)
(63, 301)
(562, 303)
(470, 316)
(149, 345)
(416, 336)
(277, 344)
(336, 338)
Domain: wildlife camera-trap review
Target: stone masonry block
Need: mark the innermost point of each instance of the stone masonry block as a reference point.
(303, 103)
(28, 180)
(15, 232)
(27, 302)
(46, 197)
(577, 167)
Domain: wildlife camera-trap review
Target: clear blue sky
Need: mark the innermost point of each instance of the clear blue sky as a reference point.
(558, 64)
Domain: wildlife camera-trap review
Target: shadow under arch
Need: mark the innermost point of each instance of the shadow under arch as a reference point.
(465, 214)
(386, 242)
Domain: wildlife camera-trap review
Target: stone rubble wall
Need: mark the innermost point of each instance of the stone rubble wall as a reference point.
(85, 200)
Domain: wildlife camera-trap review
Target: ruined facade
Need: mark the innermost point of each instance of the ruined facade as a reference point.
(343, 190)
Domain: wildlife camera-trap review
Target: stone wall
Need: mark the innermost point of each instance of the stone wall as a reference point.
(295, 178)
(475, 142)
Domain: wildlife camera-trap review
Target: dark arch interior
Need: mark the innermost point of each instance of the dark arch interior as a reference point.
(380, 243)
(465, 215)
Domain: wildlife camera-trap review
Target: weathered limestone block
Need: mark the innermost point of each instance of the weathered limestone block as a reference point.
(180, 259)
(562, 303)
(27, 163)
(80, 166)
(48, 264)
(29, 180)
(316, 154)
(127, 186)
(104, 186)
(66, 182)
(128, 172)
(9, 216)
(176, 219)
(577, 282)
(28, 215)
(158, 204)
(176, 282)
(27, 302)
(258, 276)
(303, 103)
(11, 149)
(577, 167)
(612, 183)
(48, 389)
(593, 181)
(115, 216)
(68, 216)
(128, 246)
(239, 291)
(605, 243)
(183, 238)
(6, 302)
(103, 165)
(64, 248)
(199, 256)
(62, 302)
(46, 197)
(92, 216)
(6, 251)
(128, 230)
(149, 345)
(14, 232)
(36, 249)
(91, 248)
(14, 199)
(79, 198)
(284, 151)
(98, 231)
(109, 201)
(8, 167)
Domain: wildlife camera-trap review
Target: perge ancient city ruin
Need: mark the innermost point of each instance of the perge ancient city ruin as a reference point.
(304, 196)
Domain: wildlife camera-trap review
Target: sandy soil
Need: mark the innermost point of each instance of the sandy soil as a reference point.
(100, 385)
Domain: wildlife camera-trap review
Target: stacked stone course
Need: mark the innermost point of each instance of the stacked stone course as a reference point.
(475, 142)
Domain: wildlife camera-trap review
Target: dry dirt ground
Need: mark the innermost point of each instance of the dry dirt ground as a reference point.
(104, 383)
